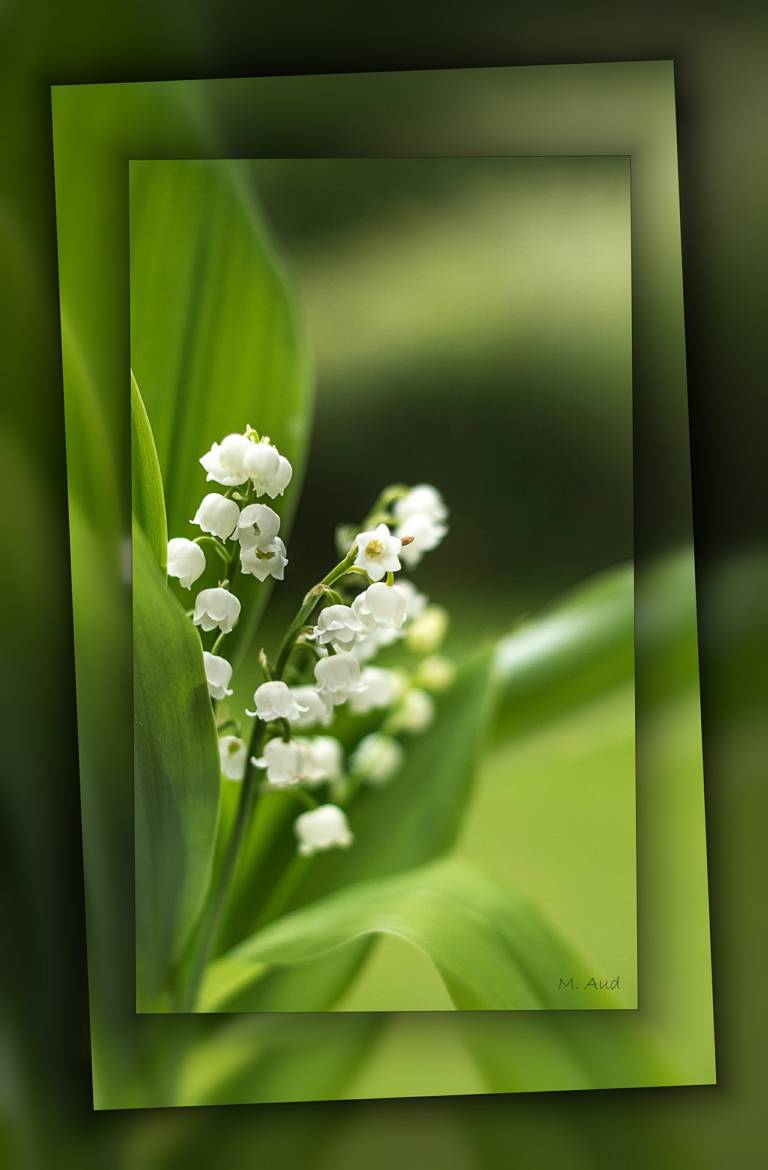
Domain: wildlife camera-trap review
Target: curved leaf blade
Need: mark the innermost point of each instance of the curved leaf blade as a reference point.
(577, 649)
(494, 950)
(426, 802)
(215, 337)
(583, 646)
(177, 784)
(146, 482)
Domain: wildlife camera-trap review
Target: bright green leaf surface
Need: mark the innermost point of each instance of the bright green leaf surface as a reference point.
(581, 647)
(493, 949)
(215, 343)
(146, 481)
(425, 802)
(176, 775)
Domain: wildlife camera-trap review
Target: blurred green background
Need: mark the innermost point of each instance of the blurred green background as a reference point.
(470, 325)
(45, 1080)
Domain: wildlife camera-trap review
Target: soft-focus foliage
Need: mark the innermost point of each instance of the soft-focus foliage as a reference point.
(240, 1059)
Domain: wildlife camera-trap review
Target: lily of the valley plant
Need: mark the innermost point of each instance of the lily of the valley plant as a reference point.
(325, 659)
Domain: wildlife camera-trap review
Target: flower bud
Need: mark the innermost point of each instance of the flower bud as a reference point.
(283, 761)
(415, 713)
(381, 606)
(322, 828)
(423, 499)
(232, 756)
(217, 515)
(280, 479)
(427, 632)
(186, 561)
(380, 688)
(218, 673)
(322, 759)
(425, 534)
(261, 462)
(274, 700)
(377, 758)
(316, 711)
(435, 673)
(225, 461)
(338, 677)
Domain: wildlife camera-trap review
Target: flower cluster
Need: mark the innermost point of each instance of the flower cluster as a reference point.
(244, 533)
(358, 609)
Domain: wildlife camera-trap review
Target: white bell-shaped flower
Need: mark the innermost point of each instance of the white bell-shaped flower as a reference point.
(323, 759)
(337, 677)
(380, 689)
(316, 711)
(264, 562)
(269, 471)
(232, 756)
(322, 828)
(216, 608)
(275, 700)
(217, 515)
(261, 463)
(280, 479)
(381, 606)
(225, 462)
(377, 758)
(186, 561)
(425, 534)
(373, 641)
(316, 714)
(427, 632)
(415, 712)
(421, 500)
(367, 648)
(377, 552)
(257, 526)
(283, 760)
(218, 674)
(339, 625)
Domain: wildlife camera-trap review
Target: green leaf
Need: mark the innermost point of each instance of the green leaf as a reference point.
(426, 802)
(577, 649)
(493, 949)
(254, 1057)
(146, 481)
(215, 342)
(176, 776)
(581, 647)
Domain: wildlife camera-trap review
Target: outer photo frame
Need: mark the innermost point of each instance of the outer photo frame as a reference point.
(671, 1039)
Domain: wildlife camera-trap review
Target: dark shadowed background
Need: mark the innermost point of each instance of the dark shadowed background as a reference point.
(44, 1083)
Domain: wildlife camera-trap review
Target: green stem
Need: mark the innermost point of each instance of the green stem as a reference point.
(217, 545)
(218, 641)
(379, 513)
(307, 606)
(217, 903)
(281, 892)
(223, 724)
(220, 895)
(303, 797)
